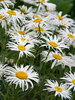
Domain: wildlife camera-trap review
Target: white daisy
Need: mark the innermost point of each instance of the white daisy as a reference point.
(12, 15)
(37, 20)
(70, 80)
(54, 43)
(68, 36)
(58, 59)
(17, 30)
(21, 76)
(44, 29)
(61, 90)
(64, 20)
(22, 48)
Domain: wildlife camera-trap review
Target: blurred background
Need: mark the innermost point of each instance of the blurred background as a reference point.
(67, 6)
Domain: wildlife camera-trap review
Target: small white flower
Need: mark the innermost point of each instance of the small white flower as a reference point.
(58, 59)
(70, 80)
(68, 36)
(61, 90)
(22, 48)
(11, 15)
(21, 76)
(54, 43)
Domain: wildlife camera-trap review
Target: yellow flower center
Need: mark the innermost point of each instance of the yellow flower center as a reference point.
(21, 75)
(39, 29)
(21, 32)
(56, 56)
(41, 1)
(58, 89)
(70, 36)
(2, 17)
(38, 20)
(0, 70)
(63, 24)
(23, 39)
(1, 0)
(28, 40)
(53, 44)
(73, 81)
(36, 16)
(21, 47)
(60, 17)
(11, 12)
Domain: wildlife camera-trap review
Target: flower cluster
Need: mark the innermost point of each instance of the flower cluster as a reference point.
(43, 27)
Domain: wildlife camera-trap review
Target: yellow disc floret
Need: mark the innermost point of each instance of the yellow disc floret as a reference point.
(58, 89)
(38, 20)
(21, 75)
(41, 1)
(60, 17)
(23, 39)
(21, 47)
(21, 32)
(1, 0)
(70, 36)
(36, 16)
(39, 28)
(53, 44)
(11, 12)
(3, 17)
(73, 81)
(0, 70)
(56, 56)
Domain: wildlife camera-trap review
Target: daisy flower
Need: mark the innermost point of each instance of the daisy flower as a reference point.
(7, 2)
(58, 59)
(17, 30)
(59, 20)
(54, 43)
(12, 15)
(60, 90)
(25, 39)
(70, 80)
(68, 36)
(21, 76)
(2, 70)
(37, 20)
(44, 29)
(22, 48)
(64, 21)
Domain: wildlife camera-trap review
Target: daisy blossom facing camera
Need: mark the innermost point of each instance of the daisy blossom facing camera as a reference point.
(64, 20)
(12, 15)
(61, 90)
(58, 59)
(21, 76)
(68, 36)
(54, 43)
(70, 80)
(22, 48)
